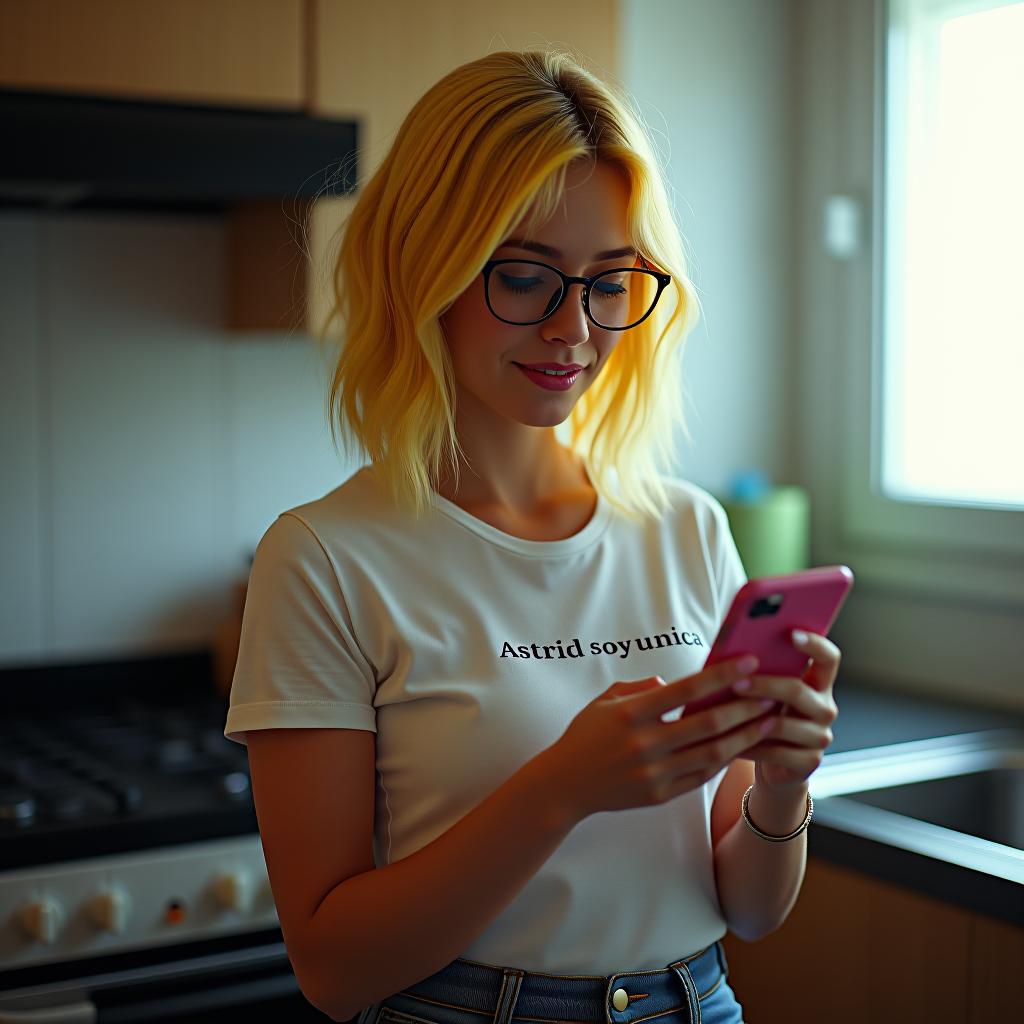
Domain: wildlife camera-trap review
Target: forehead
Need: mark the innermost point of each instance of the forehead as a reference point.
(591, 215)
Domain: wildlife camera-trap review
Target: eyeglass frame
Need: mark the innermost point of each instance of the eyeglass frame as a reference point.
(663, 282)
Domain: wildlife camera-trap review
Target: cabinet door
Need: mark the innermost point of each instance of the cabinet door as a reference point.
(857, 949)
(997, 980)
(220, 52)
(372, 62)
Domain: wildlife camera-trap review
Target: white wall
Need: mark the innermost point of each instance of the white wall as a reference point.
(145, 450)
(713, 77)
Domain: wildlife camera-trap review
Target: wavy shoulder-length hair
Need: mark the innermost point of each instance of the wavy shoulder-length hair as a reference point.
(485, 149)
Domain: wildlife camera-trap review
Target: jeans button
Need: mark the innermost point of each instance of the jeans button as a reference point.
(620, 999)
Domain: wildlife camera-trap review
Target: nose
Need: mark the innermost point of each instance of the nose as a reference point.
(569, 320)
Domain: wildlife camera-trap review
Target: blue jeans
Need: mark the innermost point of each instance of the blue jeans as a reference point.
(693, 990)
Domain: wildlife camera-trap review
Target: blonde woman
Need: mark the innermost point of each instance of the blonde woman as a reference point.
(477, 797)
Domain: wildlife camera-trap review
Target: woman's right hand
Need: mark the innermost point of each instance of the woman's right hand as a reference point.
(617, 753)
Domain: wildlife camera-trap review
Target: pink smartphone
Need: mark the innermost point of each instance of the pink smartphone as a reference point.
(763, 614)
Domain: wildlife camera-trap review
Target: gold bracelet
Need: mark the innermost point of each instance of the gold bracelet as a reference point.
(764, 835)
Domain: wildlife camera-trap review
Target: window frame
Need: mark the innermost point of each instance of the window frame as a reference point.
(921, 545)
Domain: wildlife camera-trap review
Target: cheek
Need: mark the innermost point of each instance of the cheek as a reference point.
(607, 348)
(475, 338)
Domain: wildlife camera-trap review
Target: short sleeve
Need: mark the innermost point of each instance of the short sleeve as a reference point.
(713, 783)
(729, 577)
(299, 663)
(728, 566)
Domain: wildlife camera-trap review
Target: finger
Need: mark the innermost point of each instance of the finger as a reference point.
(713, 721)
(818, 646)
(825, 655)
(801, 761)
(794, 693)
(796, 734)
(719, 750)
(690, 688)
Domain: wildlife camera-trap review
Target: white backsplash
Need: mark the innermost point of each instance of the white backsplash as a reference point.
(145, 449)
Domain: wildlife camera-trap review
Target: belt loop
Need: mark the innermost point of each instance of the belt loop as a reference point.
(690, 989)
(511, 983)
(723, 963)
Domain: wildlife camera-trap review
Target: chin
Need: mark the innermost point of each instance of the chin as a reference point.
(544, 421)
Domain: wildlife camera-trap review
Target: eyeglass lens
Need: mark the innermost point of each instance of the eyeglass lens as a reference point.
(524, 293)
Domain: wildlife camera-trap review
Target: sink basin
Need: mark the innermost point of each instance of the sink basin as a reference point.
(956, 798)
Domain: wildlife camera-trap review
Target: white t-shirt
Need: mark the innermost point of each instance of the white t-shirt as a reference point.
(468, 651)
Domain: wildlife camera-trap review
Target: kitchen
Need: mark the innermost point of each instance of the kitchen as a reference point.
(166, 398)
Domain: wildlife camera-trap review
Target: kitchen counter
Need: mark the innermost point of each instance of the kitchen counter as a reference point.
(871, 717)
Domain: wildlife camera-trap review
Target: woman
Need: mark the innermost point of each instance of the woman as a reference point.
(448, 679)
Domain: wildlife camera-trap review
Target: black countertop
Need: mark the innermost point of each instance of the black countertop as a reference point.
(871, 716)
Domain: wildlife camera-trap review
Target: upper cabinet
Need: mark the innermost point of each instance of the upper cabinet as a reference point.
(223, 52)
(372, 62)
(360, 62)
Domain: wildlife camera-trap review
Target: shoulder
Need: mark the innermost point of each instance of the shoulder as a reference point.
(355, 500)
(690, 492)
(303, 535)
(696, 501)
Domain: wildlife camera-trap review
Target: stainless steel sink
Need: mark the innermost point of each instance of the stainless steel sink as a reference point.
(955, 798)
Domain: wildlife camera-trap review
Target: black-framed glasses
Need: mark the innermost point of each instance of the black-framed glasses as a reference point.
(525, 292)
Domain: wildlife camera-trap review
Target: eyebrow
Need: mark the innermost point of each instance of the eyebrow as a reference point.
(548, 250)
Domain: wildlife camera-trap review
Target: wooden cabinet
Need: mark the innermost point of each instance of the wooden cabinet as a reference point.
(372, 62)
(222, 52)
(331, 58)
(855, 948)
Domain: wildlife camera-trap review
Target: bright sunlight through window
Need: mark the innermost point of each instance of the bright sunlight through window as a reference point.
(953, 354)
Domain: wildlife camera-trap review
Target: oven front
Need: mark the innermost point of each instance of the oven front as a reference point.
(132, 880)
(226, 986)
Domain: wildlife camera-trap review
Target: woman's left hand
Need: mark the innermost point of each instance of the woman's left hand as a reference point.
(795, 745)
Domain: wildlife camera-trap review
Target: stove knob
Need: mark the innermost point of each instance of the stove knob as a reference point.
(40, 919)
(233, 891)
(109, 910)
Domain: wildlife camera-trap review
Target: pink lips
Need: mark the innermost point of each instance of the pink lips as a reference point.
(551, 366)
(548, 381)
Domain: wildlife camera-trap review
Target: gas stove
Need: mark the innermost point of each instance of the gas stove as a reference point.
(128, 777)
(129, 846)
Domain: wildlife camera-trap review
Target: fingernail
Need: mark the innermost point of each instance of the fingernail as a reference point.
(767, 702)
(747, 663)
(741, 684)
(799, 636)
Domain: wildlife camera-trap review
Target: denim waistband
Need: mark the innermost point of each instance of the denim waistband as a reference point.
(486, 993)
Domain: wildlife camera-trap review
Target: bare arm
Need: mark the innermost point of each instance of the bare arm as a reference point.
(381, 931)
(758, 882)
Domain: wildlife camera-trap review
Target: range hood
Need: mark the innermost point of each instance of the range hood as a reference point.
(75, 152)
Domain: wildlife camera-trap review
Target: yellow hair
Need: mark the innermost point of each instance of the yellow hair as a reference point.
(479, 148)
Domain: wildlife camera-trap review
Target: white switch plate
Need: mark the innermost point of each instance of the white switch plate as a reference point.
(841, 227)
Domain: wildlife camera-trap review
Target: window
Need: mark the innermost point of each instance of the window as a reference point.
(928, 372)
(952, 394)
